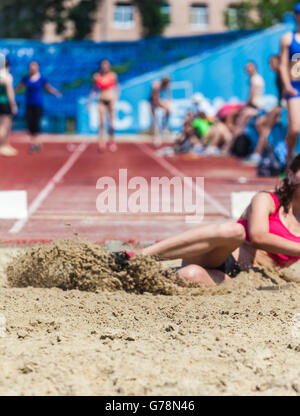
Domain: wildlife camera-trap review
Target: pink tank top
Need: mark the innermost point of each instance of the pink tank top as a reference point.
(278, 228)
(106, 81)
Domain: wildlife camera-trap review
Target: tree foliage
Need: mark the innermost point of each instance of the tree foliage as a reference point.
(26, 18)
(83, 18)
(154, 20)
(255, 14)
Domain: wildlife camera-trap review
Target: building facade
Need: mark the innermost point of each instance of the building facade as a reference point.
(120, 19)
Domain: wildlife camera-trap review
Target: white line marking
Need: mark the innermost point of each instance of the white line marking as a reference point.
(174, 171)
(40, 198)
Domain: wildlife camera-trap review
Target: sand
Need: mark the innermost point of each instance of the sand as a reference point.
(146, 336)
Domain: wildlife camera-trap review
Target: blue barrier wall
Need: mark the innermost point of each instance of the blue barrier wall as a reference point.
(69, 66)
(219, 75)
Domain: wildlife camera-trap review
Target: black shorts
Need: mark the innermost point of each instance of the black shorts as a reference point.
(107, 103)
(33, 118)
(253, 106)
(5, 109)
(154, 102)
(231, 267)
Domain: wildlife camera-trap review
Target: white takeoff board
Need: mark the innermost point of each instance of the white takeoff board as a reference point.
(13, 205)
(239, 202)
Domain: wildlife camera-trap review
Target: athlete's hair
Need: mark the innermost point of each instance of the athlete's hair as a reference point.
(286, 191)
(6, 62)
(275, 57)
(252, 63)
(201, 114)
(165, 81)
(105, 61)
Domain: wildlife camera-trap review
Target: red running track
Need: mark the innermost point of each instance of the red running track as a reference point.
(61, 186)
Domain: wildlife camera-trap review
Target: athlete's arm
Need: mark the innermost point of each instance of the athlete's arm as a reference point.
(49, 88)
(11, 95)
(262, 207)
(20, 87)
(284, 67)
(155, 88)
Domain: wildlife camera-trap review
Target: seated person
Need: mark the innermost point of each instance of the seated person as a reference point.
(184, 142)
(190, 139)
(220, 136)
(201, 125)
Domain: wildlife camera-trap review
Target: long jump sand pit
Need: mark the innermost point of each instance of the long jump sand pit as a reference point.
(78, 325)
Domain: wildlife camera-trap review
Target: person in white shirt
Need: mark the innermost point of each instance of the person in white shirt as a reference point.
(254, 103)
(257, 88)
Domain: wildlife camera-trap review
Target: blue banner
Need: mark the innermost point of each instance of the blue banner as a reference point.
(219, 75)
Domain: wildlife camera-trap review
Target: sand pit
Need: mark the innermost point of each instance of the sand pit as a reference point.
(76, 324)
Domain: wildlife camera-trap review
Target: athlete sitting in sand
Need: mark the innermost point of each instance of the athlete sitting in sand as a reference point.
(267, 235)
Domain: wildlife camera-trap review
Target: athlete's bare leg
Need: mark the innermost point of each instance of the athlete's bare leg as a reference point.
(293, 128)
(202, 248)
(221, 136)
(243, 119)
(165, 105)
(264, 125)
(102, 116)
(209, 245)
(112, 144)
(5, 127)
(154, 120)
(198, 274)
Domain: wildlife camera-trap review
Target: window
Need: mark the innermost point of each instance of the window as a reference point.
(123, 16)
(199, 16)
(166, 11)
(232, 17)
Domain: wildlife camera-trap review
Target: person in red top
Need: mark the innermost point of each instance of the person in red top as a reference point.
(267, 235)
(107, 82)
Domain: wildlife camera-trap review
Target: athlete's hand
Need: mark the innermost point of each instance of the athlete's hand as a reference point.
(292, 91)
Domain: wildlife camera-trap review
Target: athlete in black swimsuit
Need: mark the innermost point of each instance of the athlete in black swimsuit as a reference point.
(157, 101)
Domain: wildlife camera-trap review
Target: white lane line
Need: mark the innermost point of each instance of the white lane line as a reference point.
(40, 198)
(176, 172)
